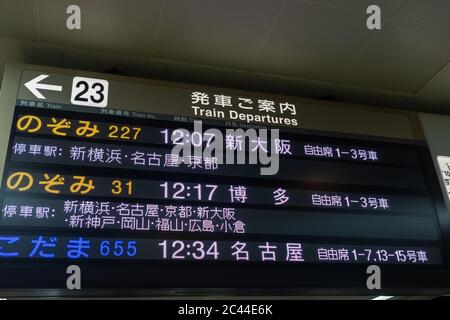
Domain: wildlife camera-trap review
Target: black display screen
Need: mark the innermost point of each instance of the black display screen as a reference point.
(99, 190)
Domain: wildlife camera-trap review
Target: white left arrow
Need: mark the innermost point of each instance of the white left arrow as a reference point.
(33, 85)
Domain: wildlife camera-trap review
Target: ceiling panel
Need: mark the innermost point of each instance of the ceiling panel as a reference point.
(10, 51)
(121, 27)
(108, 63)
(17, 19)
(313, 48)
(314, 90)
(403, 57)
(214, 32)
(387, 6)
(438, 87)
(434, 12)
(313, 42)
(43, 55)
(204, 75)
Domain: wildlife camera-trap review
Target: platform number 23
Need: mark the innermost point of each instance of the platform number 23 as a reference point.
(89, 92)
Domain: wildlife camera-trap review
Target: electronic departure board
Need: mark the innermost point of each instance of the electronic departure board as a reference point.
(102, 189)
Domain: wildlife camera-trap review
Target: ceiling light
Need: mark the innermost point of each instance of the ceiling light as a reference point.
(383, 298)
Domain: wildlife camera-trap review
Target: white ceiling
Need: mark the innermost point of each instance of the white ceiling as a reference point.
(311, 48)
